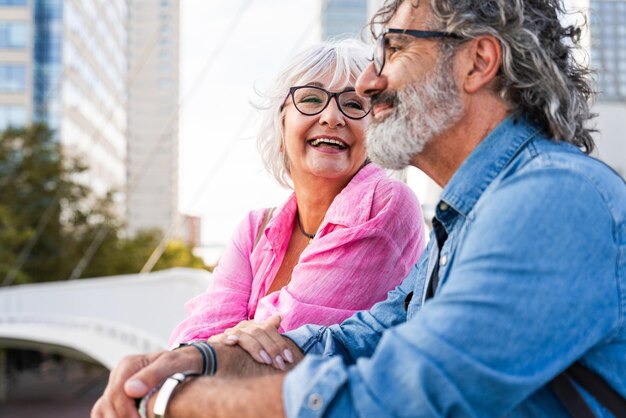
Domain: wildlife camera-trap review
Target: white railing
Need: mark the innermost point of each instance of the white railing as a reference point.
(103, 318)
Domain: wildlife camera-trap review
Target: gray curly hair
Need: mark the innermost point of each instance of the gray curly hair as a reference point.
(341, 60)
(539, 77)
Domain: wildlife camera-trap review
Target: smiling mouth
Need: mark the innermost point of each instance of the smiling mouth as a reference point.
(383, 103)
(328, 142)
(381, 109)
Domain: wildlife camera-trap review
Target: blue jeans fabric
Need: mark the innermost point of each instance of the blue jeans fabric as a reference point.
(531, 278)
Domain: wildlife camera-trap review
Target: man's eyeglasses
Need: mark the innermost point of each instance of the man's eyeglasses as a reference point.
(311, 100)
(380, 52)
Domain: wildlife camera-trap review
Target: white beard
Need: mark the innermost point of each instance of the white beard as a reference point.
(422, 110)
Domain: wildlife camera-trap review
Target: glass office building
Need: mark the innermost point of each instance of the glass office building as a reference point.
(153, 93)
(64, 63)
(342, 18)
(608, 54)
(608, 60)
(15, 63)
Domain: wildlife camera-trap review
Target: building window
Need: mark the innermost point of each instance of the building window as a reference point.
(166, 83)
(609, 48)
(12, 115)
(13, 2)
(12, 78)
(13, 35)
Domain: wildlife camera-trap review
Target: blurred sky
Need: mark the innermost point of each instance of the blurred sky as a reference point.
(229, 48)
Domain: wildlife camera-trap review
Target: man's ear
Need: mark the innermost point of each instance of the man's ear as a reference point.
(482, 60)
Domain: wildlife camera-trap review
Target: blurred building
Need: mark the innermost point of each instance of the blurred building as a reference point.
(340, 18)
(343, 17)
(16, 62)
(608, 59)
(192, 230)
(104, 75)
(64, 63)
(153, 51)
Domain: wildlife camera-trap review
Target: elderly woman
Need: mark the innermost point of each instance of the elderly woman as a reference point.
(346, 236)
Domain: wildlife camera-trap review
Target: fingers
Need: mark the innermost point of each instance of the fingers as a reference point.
(104, 408)
(274, 321)
(262, 341)
(166, 364)
(114, 402)
(136, 375)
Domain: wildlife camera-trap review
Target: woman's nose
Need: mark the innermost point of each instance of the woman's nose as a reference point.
(332, 116)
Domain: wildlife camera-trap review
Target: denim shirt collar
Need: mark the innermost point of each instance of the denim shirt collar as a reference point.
(485, 163)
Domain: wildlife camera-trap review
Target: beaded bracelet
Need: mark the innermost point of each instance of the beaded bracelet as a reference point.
(209, 357)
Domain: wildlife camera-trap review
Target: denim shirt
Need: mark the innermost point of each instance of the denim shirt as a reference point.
(531, 278)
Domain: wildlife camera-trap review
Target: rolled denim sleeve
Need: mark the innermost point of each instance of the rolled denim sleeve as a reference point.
(358, 335)
(322, 376)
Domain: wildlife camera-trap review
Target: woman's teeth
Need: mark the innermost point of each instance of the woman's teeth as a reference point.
(327, 141)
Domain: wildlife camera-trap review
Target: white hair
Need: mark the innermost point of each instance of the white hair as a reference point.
(343, 60)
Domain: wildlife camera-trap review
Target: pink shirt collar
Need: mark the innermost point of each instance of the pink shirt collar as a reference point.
(349, 208)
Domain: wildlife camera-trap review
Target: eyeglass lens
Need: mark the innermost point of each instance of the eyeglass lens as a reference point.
(379, 54)
(313, 100)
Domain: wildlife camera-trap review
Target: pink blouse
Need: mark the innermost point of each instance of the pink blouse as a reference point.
(370, 238)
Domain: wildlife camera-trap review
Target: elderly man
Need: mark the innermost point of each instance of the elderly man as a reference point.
(525, 271)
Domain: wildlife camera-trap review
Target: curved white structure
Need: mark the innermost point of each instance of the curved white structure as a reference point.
(104, 318)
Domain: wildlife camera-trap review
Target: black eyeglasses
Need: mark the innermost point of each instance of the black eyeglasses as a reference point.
(311, 101)
(380, 53)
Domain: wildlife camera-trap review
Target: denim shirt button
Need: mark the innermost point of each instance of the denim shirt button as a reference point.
(315, 401)
(444, 260)
(443, 206)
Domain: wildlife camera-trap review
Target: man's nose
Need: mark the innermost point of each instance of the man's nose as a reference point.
(369, 84)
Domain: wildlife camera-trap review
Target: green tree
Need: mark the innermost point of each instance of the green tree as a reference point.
(128, 255)
(179, 254)
(34, 183)
(12, 240)
(42, 202)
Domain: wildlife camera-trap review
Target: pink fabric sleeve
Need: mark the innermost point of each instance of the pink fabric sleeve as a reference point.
(226, 303)
(351, 268)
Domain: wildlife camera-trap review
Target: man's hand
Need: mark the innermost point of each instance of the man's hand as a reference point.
(136, 375)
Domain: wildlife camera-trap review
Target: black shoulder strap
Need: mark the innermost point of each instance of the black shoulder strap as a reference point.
(594, 384)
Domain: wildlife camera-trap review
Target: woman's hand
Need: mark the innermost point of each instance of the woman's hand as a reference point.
(261, 340)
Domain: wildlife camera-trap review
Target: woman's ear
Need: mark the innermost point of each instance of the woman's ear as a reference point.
(481, 63)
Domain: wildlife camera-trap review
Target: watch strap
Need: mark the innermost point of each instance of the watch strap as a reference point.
(165, 393)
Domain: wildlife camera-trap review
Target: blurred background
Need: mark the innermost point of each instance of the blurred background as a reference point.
(128, 157)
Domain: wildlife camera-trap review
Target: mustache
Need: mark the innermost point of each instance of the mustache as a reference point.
(387, 97)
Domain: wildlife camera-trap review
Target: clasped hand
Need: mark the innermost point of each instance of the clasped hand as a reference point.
(261, 340)
(136, 375)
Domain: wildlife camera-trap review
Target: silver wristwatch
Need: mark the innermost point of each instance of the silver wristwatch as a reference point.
(162, 399)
